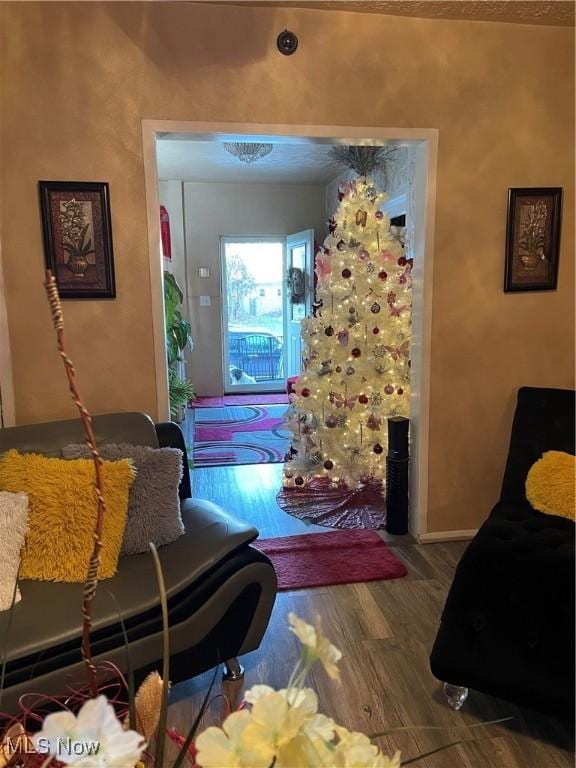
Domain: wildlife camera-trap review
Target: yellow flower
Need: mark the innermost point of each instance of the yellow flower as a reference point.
(354, 750)
(317, 646)
(273, 725)
(225, 748)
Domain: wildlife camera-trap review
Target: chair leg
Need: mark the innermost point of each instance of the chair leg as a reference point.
(456, 695)
(233, 670)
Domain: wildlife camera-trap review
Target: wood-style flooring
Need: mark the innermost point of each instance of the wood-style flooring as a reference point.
(385, 631)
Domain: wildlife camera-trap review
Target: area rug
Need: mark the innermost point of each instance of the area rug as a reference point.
(230, 436)
(335, 557)
(363, 506)
(255, 399)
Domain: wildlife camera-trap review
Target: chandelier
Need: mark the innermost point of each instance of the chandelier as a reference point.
(248, 153)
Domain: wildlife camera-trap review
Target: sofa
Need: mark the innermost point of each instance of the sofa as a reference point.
(220, 590)
(508, 624)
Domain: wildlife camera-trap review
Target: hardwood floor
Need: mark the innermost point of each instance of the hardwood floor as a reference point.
(385, 631)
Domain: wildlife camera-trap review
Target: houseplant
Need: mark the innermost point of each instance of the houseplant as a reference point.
(178, 338)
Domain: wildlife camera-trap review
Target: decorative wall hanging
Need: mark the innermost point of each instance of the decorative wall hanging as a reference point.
(532, 239)
(78, 238)
(165, 233)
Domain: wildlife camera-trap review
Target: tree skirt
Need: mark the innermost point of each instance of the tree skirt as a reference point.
(244, 435)
(341, 507)
(336, 557)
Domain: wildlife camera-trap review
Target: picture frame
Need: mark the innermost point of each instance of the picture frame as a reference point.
(532, 239)
(77, 238)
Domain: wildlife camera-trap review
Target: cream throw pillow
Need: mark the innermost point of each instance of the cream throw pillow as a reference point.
(13, 528)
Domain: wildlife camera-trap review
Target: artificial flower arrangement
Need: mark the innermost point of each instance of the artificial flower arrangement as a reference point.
(272, 728)
(95, 729)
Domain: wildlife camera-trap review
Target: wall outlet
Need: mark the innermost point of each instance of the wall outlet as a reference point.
(205, 301)
(203, 272)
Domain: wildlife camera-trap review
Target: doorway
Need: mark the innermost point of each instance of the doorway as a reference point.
(422, 213)
(253, 291)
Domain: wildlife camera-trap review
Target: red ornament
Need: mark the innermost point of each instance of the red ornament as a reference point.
(402, 261)
(305, 392)
(356, 352)
(389, 389)
(299, 480)
(375, 330)
(377, 449)
(400, 391)
(382, 275)
(379, 215)
(346, 273)
(328, 464)
(331, 421)
(338, 369)
(363, 399)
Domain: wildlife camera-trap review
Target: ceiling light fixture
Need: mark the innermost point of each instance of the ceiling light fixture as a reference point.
(248, 153)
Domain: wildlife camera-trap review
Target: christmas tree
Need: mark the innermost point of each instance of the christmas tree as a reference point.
(356, 349)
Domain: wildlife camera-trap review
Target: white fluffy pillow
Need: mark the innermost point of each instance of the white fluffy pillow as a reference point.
(13, 528)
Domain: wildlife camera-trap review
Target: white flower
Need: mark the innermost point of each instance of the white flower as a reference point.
(93, 739)
(318, 647)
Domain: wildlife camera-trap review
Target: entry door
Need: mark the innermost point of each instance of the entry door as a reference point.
(298, 297)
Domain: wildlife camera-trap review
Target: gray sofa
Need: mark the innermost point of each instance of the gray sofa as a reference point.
(220, 590)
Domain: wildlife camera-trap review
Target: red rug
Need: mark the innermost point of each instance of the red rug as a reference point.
(337, 557)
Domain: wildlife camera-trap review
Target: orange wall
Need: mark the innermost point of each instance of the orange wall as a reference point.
(79, 77)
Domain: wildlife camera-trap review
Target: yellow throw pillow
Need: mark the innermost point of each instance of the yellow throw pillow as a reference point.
(550, 485)
(62, 513)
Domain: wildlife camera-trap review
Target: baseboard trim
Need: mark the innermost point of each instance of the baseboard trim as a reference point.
(438, 536)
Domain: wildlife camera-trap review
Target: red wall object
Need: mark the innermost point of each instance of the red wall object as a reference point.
(165, 233)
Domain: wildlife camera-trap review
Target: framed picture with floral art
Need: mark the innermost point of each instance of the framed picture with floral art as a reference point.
(78, 238)
(532, 239)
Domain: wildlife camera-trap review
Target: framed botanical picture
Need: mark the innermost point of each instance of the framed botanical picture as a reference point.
(78, 238)
(533, 239)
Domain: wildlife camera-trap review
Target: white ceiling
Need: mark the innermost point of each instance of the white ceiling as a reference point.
(298, 163)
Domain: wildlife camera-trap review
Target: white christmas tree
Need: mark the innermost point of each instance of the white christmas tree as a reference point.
(356, 350)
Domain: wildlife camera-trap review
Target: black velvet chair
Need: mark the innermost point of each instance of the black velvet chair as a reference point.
(508, 625)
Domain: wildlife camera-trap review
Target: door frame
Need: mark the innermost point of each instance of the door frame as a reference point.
(307, 242)
(259, 386)
(425, 141)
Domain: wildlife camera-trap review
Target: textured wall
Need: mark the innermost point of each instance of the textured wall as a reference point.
(79, 77)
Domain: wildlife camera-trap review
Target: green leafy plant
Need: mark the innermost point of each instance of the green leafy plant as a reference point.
(178, 337)
(180, 390)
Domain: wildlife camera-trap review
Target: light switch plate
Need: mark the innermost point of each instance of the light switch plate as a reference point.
(205, 301)
(203, 272)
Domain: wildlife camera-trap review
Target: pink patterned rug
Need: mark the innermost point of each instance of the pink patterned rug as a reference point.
(335, 557)
(239, 435)
(224, 400)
